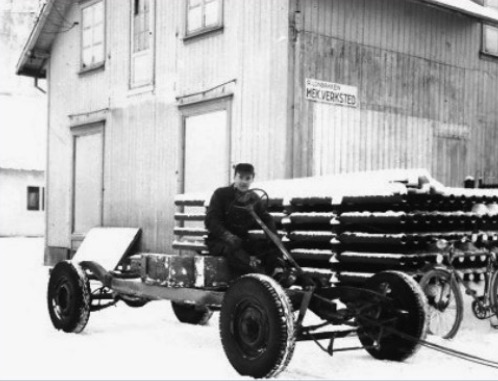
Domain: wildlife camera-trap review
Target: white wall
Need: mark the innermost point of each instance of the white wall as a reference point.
(15, 218)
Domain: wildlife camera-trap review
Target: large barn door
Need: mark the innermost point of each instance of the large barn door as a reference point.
(206, 152)
(88, 178)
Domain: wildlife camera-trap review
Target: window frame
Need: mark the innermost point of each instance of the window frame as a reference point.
(151, 50)
(485, 26)
(101, 64)
(204, 29)
(40, 201)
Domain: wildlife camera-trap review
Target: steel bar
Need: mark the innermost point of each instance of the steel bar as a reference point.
(190, 216)
(325, 335)
(189, 245)
(311, 236)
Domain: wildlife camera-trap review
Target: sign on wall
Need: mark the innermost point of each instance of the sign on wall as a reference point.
(331, 93)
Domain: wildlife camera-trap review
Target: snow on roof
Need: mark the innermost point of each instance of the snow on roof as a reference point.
(470, 192)
(466, 7)
(368, 183)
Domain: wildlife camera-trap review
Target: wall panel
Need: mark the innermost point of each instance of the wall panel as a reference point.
(143, 128)
(417, 70)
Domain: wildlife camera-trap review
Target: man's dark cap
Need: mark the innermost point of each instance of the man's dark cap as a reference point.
(244, 168)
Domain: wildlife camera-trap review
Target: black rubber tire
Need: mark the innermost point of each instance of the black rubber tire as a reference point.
(191, 314)
(445, 310)
(134, 301)
(68, 297)
(257, 326)
(407, 297)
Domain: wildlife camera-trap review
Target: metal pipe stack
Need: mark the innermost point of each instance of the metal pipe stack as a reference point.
(363, 235)
(345, 236)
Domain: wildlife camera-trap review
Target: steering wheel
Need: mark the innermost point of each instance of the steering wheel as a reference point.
(249, 199)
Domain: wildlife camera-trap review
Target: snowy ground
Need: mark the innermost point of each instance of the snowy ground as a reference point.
(149, 344)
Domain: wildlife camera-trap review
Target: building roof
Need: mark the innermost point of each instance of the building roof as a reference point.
(466, 7)
(51, 20)
(37, 49)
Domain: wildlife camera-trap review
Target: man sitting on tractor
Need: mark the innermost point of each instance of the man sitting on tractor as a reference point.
(229, 222)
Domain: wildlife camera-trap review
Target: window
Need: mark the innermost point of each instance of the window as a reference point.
(36, 198)
(93, 33)
(141, 25)
(490, 33)
(203, 15)
(142, 43)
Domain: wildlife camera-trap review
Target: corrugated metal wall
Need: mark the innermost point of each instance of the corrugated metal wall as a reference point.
(426, 97)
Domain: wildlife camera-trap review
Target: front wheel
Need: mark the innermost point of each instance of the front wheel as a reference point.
(68, 297)
(257, 326)
(404, 312)
(445, 302)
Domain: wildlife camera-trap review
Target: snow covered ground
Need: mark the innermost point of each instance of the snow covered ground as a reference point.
(149, 344)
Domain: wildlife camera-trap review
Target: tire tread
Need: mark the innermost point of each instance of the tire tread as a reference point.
(286, 325)
(76, 274)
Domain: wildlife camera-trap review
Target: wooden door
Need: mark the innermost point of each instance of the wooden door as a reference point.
(206, 152)
(88, 181)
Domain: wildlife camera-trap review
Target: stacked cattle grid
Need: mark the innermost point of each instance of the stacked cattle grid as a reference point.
(190, 231)
(346, 234)
(311, 234)
(190, 234)
(400, 233)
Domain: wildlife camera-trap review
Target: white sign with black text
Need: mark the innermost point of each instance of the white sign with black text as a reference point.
(331, 93)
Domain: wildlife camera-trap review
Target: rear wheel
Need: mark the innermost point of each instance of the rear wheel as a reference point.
(191, 314)
(405, 312)
(134, 301)
(445, 302)
(68, 297)
(257, 326)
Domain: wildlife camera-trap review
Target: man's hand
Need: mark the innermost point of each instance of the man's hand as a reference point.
(232, 240)
(255, 262)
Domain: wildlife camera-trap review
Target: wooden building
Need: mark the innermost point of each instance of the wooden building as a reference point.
(150, 98)
(23, 115)
(22, 202)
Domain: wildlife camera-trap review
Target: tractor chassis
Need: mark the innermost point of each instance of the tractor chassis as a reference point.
(321, 301)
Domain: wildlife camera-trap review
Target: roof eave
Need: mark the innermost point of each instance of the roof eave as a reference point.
(467, 8)
(36, 51)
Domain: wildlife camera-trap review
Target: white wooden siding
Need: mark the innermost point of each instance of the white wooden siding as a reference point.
(142, 127)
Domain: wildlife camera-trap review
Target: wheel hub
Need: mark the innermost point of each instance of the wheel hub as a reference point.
(438, 295)
(481, 309)
(62, 299)
(251, 329)
(374, 317)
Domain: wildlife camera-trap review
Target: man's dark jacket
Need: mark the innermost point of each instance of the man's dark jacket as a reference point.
(223, 217)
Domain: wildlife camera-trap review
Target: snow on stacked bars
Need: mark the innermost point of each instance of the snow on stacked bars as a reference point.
(347, 227)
